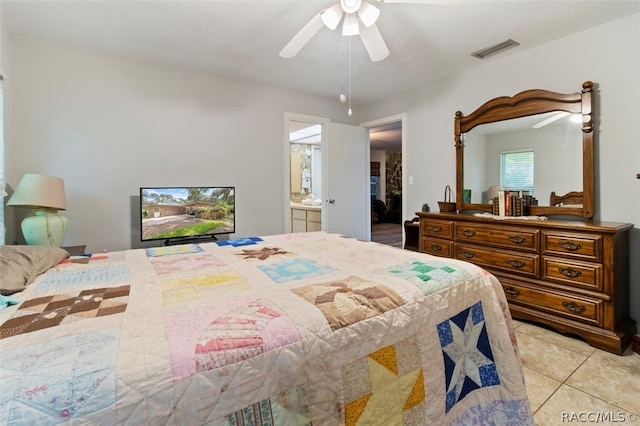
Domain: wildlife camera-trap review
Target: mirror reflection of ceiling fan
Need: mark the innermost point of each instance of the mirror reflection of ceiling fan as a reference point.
(550, 118)
(359, 19)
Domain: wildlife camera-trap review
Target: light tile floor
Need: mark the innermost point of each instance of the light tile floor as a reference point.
(570, 382)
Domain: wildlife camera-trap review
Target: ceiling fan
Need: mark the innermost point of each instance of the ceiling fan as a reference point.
(359, 19)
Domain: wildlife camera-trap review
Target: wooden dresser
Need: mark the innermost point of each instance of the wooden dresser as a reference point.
(571, 276)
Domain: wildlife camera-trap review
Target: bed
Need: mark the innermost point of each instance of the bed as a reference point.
(292, 329)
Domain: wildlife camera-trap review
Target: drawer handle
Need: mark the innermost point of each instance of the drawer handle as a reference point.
(517, 239)
(469, 233)
(516, 263)
(569, 245)
(468, 254)
(510, 291)
(573, 307)
(436, 247)
(570, 272)
(436, 228)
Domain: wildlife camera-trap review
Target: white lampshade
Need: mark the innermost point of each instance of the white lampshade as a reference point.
(494, 191)
(36, 191)
(44, 194)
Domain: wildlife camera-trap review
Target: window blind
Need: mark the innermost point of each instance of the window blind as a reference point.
(516, 170)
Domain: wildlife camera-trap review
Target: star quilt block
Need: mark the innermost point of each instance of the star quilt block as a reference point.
(261, 254)
(386, 387)
(466, 351)
(239, 242)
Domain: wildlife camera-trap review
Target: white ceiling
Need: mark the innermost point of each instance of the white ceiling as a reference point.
(241, 39)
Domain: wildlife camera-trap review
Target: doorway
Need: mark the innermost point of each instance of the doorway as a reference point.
(388, 191)
(304, 183)
(343, 170)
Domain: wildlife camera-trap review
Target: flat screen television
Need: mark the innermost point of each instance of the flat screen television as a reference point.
(181, 214)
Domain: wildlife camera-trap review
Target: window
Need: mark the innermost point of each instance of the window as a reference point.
(516, 170)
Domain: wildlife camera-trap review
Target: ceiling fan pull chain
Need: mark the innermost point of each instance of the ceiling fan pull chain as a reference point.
(349, 111)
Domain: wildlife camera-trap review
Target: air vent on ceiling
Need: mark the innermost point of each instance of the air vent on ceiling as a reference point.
(483, 53)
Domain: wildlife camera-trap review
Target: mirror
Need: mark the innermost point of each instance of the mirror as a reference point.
(547, 135)
(306, 163)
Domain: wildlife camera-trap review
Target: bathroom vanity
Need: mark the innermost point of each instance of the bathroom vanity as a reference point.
(305, 218)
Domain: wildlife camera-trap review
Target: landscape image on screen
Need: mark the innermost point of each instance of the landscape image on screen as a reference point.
(186, 212)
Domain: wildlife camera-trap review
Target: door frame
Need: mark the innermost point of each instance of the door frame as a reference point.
(402, 117)
(303, 118)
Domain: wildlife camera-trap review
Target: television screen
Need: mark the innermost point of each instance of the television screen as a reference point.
(186, 213)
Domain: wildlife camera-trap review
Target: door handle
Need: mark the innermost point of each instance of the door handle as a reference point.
(331, 201)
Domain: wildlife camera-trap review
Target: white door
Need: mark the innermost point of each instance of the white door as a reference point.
(346, 207)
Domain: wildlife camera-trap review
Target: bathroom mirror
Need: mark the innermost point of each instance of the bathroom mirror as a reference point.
(550, 134)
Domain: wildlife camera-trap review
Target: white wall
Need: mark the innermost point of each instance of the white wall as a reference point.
(108, 126)
(609, 55)
(3, 71)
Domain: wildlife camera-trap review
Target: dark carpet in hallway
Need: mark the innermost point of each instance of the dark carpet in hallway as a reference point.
(387, 233)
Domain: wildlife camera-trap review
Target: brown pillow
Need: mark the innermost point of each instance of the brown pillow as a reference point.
(20, 265)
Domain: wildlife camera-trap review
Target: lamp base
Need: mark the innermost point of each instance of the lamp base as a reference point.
(45, 228)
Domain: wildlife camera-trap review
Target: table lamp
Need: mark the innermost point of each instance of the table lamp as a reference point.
(45, 195)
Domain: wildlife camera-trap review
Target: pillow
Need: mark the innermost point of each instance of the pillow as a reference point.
(20, 265)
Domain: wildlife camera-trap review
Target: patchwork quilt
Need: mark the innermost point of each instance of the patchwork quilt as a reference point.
(292, 329)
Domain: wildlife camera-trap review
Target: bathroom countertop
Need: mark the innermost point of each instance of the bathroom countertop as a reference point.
(305, 206)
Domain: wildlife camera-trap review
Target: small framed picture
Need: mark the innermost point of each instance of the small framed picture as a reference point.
(466, 196)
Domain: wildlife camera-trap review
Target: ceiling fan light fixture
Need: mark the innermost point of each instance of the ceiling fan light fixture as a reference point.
(368, 14)
(350, 6)
(350, 25)
(331, 17)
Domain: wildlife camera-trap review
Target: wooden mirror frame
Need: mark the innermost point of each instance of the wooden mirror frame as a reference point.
(532, 102)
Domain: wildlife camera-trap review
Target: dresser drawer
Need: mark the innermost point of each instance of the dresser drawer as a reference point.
(503, 236)
(524, 264)
(438, 247)
(579, 246)
(569, 306)
(574, 273)
(437, 228)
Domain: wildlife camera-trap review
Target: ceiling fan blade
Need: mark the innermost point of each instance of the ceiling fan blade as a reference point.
(368, 14)
(302, 37)
(332, 16)
(350, 25)
(374, 43)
